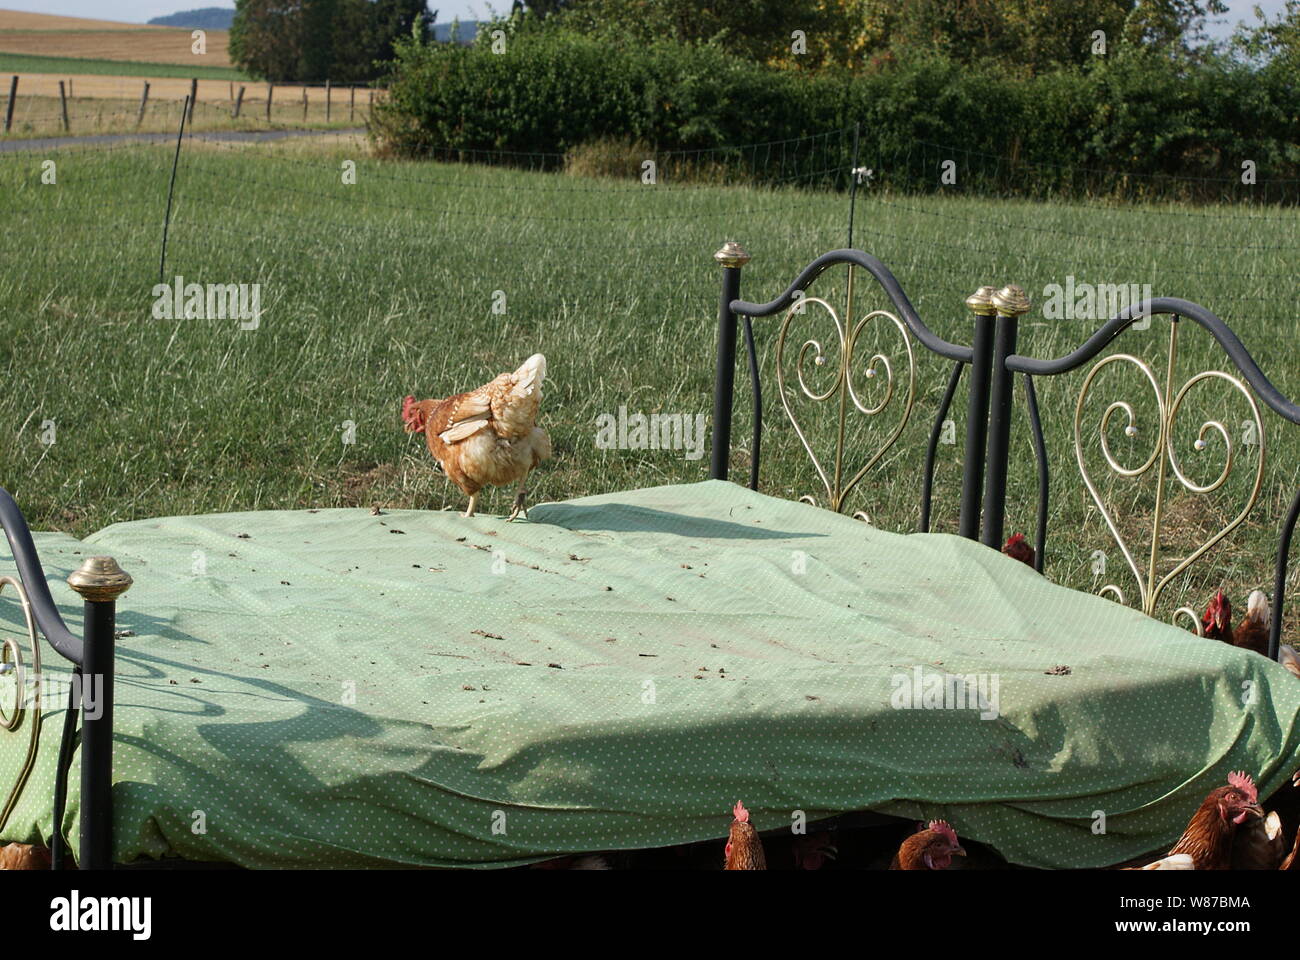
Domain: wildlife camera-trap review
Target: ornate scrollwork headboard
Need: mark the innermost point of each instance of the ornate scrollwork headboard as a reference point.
(824, 361)
(1165, 441)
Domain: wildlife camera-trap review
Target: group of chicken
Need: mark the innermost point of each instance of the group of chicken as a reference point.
(1216, 622)
(1228, 831)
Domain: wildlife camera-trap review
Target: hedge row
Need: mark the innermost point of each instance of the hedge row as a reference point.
(1137, 122)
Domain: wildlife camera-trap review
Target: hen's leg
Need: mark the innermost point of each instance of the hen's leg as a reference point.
(520, 496)
(473, 501)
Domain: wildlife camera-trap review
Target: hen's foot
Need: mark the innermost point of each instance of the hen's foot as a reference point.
(519, 505)
(469, 511)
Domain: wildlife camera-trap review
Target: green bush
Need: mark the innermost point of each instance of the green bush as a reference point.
(1138, 123)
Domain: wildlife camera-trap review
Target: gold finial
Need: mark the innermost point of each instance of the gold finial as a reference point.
(100, 579)
(1011, 301)
(981, 302)
(732, 254)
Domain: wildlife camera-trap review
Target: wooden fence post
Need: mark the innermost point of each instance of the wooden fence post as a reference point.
(304, 103)
(239, 101)
(9, 110)
(270, 89)
(63, 102)
(327, 101)
(194, 96)
(144, 99)
(352, 99)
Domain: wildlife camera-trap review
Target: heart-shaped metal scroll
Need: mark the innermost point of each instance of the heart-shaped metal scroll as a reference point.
(10, 721)
(842, 387)
(1163, 455)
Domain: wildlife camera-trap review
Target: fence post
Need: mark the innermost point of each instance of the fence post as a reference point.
(100, 581)
(327, 101)
(239, 101)
(304, 103)
(270, 89)
(352, 100)
(144, 100)
(853, 181)
(732, 256)
(193, 97)
(1010, 303)
(9, 110)
(63, 102)
(977, 413)
(171, 189)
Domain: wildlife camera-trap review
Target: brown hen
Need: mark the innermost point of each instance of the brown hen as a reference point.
(489, 436)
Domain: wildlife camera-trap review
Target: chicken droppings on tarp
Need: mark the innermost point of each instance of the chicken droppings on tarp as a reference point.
(1060, 670)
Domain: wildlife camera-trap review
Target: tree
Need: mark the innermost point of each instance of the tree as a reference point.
(314, 40)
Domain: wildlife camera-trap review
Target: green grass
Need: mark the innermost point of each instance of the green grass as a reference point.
(30, 63)
(386, 287)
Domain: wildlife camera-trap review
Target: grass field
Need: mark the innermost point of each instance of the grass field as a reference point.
(385, 287)
(23, 63)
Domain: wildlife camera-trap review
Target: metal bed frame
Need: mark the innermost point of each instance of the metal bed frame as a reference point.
(993, 364)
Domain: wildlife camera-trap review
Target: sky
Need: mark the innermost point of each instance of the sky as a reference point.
(138, 11)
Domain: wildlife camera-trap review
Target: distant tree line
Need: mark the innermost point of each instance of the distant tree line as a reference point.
(314, 40)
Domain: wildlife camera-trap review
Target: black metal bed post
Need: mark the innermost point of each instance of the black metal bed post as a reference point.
(977, 413)
(732, 256)
(1279, 579)
(100, 581)
(1010, 303)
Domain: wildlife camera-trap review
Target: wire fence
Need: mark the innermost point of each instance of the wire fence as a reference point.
(921, 207)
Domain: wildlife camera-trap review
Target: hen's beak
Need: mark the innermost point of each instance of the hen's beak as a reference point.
(1257, 810)
(959, 850)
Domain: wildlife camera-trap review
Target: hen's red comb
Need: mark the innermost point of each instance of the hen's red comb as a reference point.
(1242, 781)
(944, 830)
(1014, 539)
(741, 813)
(407, 402)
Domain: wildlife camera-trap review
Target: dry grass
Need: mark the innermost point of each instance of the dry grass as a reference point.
(21, 20)
(37, 34)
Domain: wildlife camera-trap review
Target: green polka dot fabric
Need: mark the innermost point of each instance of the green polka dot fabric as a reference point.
(336, 689)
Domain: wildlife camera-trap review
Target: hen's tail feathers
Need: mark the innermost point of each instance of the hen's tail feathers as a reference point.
(1257, 608)
(1289, 658)
(529, 376)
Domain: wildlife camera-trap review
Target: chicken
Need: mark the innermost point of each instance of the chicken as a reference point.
(1253, 632)
(489, 436)
(1292, 862)
(1018, 548)
(1289, 658)
(811, 851)
(929, 849)
(1209, 835)
(1179, 861)
(1259, 844)
(24, 856)
(744, 850)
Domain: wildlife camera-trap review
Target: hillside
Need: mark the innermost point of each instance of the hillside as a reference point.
(204, 18)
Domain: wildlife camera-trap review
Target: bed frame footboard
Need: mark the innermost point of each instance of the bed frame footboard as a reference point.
(99, 582)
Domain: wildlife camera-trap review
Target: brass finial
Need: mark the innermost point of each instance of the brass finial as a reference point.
(732, 254)
(1011, 301)
(981, 302)
(100, 579)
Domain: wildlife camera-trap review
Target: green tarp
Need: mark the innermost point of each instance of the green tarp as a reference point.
(335, 689)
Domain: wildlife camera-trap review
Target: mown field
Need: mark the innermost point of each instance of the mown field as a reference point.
(37, 34)
(387, 287)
